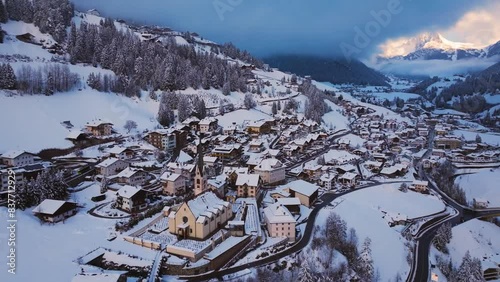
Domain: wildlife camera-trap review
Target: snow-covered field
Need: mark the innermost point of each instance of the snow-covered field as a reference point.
(479, 238)
(33, 122)
(488, 138)
(482, 185)
(492, 99)
(13, 46)
(335, 120)
(362, 210)
(392, 95)
(48, 251)
(388, 114)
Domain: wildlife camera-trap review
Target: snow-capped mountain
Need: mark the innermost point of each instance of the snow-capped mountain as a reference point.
(434, 46)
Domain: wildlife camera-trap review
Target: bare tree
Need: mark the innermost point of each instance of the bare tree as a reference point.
(129, 125)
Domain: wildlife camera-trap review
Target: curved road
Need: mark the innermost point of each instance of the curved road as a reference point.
(420, 268)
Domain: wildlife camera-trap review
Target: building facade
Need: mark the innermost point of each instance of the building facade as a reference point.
(200, 217)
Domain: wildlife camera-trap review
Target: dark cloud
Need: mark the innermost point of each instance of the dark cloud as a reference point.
(288, 26)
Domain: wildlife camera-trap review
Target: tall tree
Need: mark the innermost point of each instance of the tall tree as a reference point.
(469, 270)
(226, 89)
(201, 109)
(4, 17)
(274, 108)
(364, 266)
(249, 101)
(184, 107)
(7, 77)
(165, 112)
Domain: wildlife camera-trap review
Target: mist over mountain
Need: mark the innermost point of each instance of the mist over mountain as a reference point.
(334, 70)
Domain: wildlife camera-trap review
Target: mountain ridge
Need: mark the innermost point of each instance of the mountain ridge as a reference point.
(434, 46)
(334, 70)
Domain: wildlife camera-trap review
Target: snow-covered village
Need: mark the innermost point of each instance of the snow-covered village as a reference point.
(131, 151)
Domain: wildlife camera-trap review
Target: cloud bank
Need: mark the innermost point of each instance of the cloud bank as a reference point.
(435, 67)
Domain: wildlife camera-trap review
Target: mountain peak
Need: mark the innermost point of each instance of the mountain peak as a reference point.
(432, 45)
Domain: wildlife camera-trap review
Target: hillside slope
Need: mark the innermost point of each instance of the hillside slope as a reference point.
(336, 71)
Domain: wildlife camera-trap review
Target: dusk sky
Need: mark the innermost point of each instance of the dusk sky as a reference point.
(311, 27)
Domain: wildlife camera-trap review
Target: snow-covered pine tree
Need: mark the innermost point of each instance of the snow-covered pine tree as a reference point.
(165, 113)
(201, 109)
(226, 89)
(205, 79)
(478, 138)
(249, 101)
(104, 185)
(274, 108)
(4, 17)
(49, 88)
(10, 77)
(183, 108)
(364, 265)
(306, 274)
(94, 81)
(13, 9)
(469, 270)
(119, 63)
(152, 95)
(221, 107)
(7, 77)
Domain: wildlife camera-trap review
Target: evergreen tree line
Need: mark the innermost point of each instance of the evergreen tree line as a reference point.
(315, 107)
(443, 175)
(164, 66)
(3, 19)
(470, 269)
(49, 184)
(186, 105)
(51, 16)
(335, 236)
(443, 237)
(46, 80)
(116, 84)
(421, 88)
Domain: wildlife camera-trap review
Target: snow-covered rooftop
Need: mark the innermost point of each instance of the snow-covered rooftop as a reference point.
(128, 172)
(348, 176)
(169, 176)
(12, 154)
(303, 187)
(49, 206)
(107, 162)
(276, 213)
(248, 179)
(288, 201)
(128, 191)
(206, 202)
(269, 164)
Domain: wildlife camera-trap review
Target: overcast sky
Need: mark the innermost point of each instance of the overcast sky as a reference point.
(318, 27)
